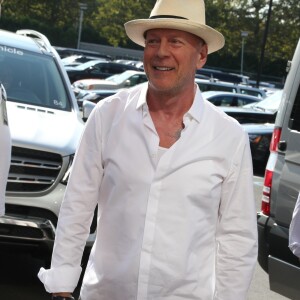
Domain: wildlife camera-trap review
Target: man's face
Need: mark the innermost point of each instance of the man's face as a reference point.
(171, 58)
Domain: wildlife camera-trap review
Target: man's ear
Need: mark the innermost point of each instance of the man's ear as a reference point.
(202, 57)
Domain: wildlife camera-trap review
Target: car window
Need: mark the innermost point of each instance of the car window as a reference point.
(222, 100)
(251, 92)
(34, 79)
(215, 87)
(227, 101)
(243, 101)
(136, 79)
(294, 123)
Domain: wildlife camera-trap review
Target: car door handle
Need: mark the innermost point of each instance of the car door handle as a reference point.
(282, 145)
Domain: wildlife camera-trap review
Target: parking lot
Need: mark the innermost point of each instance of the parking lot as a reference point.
(18, 280)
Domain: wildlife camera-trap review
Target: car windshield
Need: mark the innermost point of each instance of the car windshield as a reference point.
(270, 103)
(34, 79)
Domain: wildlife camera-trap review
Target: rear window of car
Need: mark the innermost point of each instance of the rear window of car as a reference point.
(215, 87)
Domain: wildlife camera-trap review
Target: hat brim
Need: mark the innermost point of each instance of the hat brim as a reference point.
(135, 31)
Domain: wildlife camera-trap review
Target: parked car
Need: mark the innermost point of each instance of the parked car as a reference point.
(223, 76)
(260, 136)
(270, 103)
(45, 126)
(249, 116)
(76, 60)
(258, 120)
(94, 96)
(261, 112)
(65, 52)
(97, 69)
(281, 189)
(5, 148)
(220, 98)
(136, 63)
(215, 85)
(124, 80)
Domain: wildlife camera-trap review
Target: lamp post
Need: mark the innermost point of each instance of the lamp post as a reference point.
(1, 1)
(82, 7)
(244, 34)
(262, 54)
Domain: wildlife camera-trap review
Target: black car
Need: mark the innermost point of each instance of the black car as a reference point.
(95, 96)
(97, 69)
(249, 116)
(264, 111)
(260, 136)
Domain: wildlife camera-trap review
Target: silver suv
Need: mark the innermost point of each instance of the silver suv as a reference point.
(46, 126)
(281, 188)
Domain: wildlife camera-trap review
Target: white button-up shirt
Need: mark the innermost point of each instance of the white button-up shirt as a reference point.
(181, 227)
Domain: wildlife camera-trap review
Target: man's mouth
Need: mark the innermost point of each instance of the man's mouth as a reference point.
(163, 68)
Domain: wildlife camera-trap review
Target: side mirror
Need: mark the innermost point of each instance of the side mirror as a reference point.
(87, 107)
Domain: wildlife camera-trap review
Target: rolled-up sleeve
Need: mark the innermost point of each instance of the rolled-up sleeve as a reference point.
(237, 230)
(76, 212)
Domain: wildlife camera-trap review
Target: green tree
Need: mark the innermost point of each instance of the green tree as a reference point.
(103, 23)
(110, 17)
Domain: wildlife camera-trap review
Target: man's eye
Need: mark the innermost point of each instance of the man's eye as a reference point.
(151, 42)
(176, 42)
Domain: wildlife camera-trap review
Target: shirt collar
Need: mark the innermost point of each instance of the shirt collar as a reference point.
(142, 97)
(197, 108)
(195, 111)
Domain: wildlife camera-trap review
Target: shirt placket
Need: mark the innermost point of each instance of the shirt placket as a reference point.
(151, 213)
(152, 207)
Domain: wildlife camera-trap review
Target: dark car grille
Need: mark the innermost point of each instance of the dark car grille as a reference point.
(32, 170)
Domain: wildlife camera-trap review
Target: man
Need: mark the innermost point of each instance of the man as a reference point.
(172, 177)
(294, 232)
(5, 148)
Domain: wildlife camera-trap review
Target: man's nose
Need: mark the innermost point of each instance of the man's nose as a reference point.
(163, 49)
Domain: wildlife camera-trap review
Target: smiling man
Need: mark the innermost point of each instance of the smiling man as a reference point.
(172, 177)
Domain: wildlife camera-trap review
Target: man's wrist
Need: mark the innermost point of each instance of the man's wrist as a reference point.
(62, 297)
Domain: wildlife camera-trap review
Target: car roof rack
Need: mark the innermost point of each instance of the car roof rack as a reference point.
(39, 37)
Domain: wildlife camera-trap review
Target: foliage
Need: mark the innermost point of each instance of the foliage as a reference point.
(111, 16)
(103, 23)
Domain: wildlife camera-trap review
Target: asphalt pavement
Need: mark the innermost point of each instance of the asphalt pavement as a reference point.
(18, 273)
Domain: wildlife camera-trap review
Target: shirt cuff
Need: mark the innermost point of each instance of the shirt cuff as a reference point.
(295, 248)
(62, 279)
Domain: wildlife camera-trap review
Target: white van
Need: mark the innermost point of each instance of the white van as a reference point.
(281, 189)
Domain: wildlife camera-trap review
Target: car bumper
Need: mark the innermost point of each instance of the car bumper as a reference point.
(30, 232)
(276, 259)
(30, 222)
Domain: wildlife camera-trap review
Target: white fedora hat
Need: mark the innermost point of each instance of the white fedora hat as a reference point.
(186, 15)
